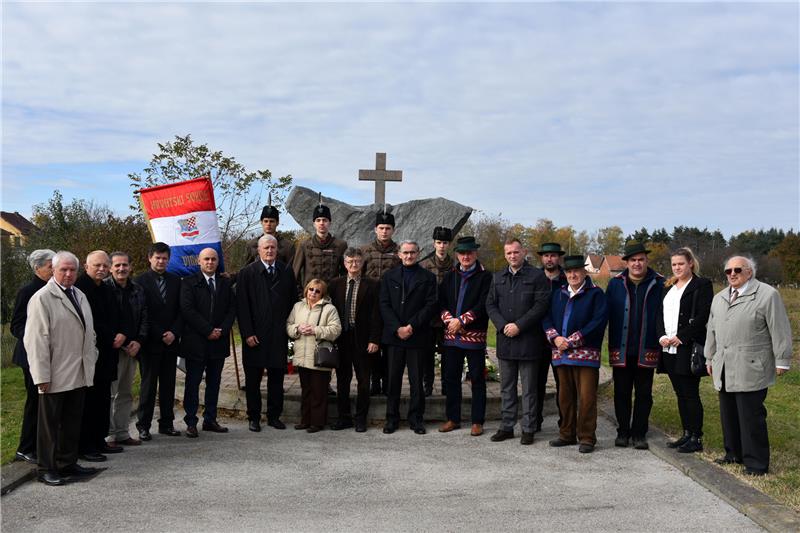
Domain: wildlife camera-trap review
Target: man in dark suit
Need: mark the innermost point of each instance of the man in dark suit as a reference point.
(208, 308)
(407, 303)
(356, 299)
(266, 290)
(159, 354)
(41, 263)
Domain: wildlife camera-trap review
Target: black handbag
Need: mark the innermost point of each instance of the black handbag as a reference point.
(326, 354)
(697, 362)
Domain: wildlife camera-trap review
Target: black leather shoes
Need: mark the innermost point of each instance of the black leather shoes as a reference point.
(108, 448)
(586, 448)
(93, 457)
(502, 435)
(342, 424)
(313, 429)
(728, 460)
(191, 432)
(301, 426)
(361, 427)
(169, 431)
(51, 478)
(27, 457)
(694, 444)
(144, 434)
(679, 442)
(419, 430)
(621, 442)
(254, 425)
(526, 439)
(276, 423)
(77, 470)
(214, 427)
(559, 442)
(641, 444)
(388, 429)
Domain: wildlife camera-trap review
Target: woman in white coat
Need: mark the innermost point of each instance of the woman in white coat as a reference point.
(313, 319)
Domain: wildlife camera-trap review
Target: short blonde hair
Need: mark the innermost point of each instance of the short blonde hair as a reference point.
(321, 285)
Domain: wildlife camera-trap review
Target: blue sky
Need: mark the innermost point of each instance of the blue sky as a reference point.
(588, 114)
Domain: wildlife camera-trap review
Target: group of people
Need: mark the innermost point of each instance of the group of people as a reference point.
(81, 339)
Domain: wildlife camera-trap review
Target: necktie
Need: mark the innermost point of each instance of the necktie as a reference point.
(162, 287)
(271, 271)
(734, 295)
(213, 292)
(348, 303)
(72, 298)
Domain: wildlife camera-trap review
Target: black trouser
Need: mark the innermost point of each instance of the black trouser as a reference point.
(27, 436)
(744, 427)
(314, 396)
(252, 388)
(378, 369)
(626, 379)
(352, 356)
(690, 408)
(59, 429)
(429, 362)
(191, 391)
(451, 371)
(397, 359)
(96, 417)
(158, 372)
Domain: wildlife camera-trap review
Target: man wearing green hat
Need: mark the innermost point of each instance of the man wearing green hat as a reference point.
(550, 254)
(634, 303)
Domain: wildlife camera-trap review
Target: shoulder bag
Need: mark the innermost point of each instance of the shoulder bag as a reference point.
(326, 354)
(697, 362)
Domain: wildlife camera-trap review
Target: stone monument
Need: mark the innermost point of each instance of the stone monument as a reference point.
(355, 224)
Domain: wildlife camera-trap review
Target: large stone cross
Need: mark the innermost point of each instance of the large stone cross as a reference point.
(380, 176)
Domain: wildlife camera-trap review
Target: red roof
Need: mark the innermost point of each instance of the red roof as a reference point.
(615, 263)
(595, 261)
(23, 225)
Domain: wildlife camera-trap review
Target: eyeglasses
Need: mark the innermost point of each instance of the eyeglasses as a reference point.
(729, 271)
(314, 289)
(352, 261)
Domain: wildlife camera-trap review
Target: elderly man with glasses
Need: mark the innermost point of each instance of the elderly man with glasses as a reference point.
(749, 342)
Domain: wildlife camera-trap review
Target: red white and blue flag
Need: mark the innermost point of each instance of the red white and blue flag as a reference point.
(184, 216)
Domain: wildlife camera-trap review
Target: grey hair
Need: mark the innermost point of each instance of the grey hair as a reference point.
(39, 258)
(64, 255)
(266, 238)
(751, 263)
(353, 252)
(408, 241)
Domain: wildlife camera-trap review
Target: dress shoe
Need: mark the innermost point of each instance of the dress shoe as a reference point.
(753, 472)
(169, 431)
(389, 429)
(361, 427)
(727, 460)
(477, 430)
(641, 444)
(694, 444)
(276, 423)
(93, 457)
(313, 429)
(130, 441)
(502, 435)
(586, 448)
(419, 430)
(526, 439)
(679, 442)
(559, 442)
(214, 427)
(77, 470)
(144, 434)
(449, 426)
(301, 426)
(342, 424)
(110, 447)
(621, 442)
(191, 432)
(51, 478)
(27, 457)
(254, 425)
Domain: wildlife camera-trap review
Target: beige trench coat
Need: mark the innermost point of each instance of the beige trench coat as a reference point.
(748, 339)
(61, 351)
(329, 329)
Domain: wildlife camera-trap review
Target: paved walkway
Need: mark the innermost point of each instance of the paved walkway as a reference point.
(346, 481)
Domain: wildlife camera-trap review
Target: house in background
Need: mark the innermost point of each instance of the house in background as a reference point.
(593, 264)
(15, 228)
(604, 266)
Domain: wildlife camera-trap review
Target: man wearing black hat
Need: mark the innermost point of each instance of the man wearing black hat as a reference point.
(634, 301)
(462, 301)
(270, 218)
(321, 256)
(550, 254)
(440, 263)
(380, 256)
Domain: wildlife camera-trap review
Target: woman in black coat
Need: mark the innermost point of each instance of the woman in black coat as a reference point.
(685, 309)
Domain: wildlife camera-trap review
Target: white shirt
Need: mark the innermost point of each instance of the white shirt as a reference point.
(740, 290)
(672, 308)
(573, 293)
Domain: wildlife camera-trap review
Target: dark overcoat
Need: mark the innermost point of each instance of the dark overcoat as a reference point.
(199, 319)
(164, 313)
(20, 316)
(413, 304)
(263, 305)
(691, 325)
(522, 299)
(368, 322)
(106, 315)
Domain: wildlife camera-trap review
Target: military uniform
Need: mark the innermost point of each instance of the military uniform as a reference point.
(285, 251)
(379, 259)
(315, 259)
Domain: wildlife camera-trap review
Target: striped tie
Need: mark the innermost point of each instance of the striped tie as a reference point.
(734, 295)
(162, 287)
